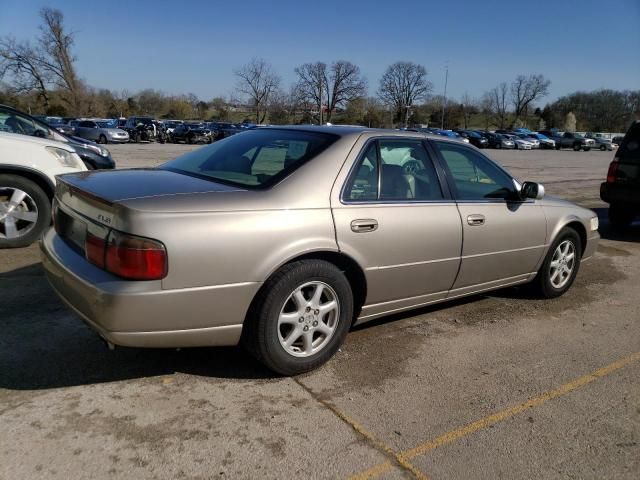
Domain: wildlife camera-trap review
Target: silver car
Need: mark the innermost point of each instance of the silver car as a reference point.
(283, 238)
(101, 131)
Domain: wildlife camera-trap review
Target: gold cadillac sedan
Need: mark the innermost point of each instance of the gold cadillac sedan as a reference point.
(283, 238)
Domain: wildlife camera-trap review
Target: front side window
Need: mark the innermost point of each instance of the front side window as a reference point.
(254, 159)
(475, 177)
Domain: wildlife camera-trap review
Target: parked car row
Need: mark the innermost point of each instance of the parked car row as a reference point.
(142, 128)
(525, 139)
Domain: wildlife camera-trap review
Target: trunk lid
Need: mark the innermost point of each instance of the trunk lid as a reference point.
(119, 185)
(95, 202)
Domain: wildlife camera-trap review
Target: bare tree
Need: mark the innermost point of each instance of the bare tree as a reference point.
(334, 86)
(525, 90)
(311, 86)
(497, 101)
(57, 58)
(23, 63)
(468, 107)
(257, 80)
(402, 84)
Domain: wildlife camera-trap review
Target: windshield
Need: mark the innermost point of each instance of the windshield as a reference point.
(107, 123)
(144, 121)
(254, 159)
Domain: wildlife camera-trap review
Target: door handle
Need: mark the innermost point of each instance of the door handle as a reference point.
(475, 220)
(364, 225)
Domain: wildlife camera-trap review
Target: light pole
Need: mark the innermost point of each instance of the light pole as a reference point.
(444, 100)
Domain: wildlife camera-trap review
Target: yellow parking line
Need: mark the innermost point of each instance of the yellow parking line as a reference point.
(485, 422)
(403, 462)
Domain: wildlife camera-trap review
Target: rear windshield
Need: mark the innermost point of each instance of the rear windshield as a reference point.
(630, 148)
(253, 159)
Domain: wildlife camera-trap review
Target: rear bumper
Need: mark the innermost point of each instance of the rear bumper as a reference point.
(142, 314)
(612, 193)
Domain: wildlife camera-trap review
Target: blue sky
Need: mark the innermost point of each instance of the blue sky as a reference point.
(193, 46)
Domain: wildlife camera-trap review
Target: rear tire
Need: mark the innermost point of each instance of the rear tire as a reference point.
(603, 148)
(559, 269)
(314, 332)
(577, 147)
(586, 149)
(620, 218)
(34, 205)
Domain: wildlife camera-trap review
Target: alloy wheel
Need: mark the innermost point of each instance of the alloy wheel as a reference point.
(562, 264)
(308, 319)
(18, 213)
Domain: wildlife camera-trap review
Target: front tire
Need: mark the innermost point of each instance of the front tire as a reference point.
(102, 139)
(300, 318)
(560, 266)
(603, 148)
(25, 211)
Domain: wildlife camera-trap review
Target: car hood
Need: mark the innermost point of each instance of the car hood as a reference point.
(551, 201)
(114, 130)
(120, 185)
(20, 138)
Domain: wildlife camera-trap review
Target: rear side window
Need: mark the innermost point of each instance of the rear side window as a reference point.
(394, 170)
(630, 148)
(253, 159)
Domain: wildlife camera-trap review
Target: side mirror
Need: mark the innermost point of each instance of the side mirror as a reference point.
(532, 190)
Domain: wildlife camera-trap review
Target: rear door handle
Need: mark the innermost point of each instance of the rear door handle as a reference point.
(364, 225)
(475, 220)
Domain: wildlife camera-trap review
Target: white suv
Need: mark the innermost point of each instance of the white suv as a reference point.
(28, 167)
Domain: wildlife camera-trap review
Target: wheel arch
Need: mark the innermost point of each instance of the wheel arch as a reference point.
(574, 223)
(35, 176)
(352, 270)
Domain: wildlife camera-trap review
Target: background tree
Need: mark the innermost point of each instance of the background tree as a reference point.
(524, 91)
(570, 122)
(24, 64)
(311, 85)
(468, 107)
(497, 102)
(332, 87)
(402, 85)
(601, 110)
(57, 60)
(220, 109)
(257, 81)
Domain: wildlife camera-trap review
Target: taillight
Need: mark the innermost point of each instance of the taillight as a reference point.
(94, 249)
(135, 258)
(613, 169)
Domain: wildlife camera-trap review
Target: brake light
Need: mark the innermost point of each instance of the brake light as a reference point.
(135, 258)
(94, 249)
(613, 170)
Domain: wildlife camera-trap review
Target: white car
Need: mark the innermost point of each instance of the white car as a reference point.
(28, 169)
(520, 143)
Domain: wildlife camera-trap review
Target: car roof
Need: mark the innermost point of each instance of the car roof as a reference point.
(355, 131)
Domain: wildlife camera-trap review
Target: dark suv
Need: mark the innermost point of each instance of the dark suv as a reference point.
(622, 188)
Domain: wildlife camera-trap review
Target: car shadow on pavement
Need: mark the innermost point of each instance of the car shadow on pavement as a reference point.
(631, 234)
(44, 345)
